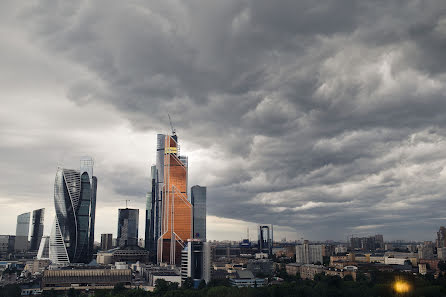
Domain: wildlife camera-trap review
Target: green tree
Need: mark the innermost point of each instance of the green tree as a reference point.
(188, 283)
(202, 285)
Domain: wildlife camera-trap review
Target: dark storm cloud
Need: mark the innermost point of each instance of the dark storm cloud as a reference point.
(322, 113)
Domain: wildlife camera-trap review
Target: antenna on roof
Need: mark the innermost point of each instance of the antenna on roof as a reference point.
(174, 132)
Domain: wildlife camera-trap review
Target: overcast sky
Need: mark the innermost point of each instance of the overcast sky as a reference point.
(324, 118)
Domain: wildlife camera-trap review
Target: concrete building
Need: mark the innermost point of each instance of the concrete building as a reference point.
(245, 278)
(37, 266)
(83, 279)
(426, 250)
(292, 269)
(441, 237)
(308, 271)
(422, 268)
(441, 253)
(396, 261)
(196, 262)
(106, 241)
(308, 254)
(261, 266)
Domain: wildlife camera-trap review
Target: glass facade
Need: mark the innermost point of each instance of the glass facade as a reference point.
(75, 202)
(37, 228)
(22, 232)
(176, 210)
(198, 200)
(128, 220)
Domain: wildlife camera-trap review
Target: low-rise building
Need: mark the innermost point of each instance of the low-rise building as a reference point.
(245, 278)
(308, 271)
(292, 269)
(83, 279)
(262, 266)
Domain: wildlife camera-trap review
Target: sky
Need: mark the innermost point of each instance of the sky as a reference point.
(324, 118)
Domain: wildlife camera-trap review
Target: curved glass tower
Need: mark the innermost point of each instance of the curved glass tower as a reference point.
(72, 235)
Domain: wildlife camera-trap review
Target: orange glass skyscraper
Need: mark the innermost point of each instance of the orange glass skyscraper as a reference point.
(175, 209)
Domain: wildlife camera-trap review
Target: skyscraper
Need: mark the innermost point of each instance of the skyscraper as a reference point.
(37, 228)
(441, 237)
(22, 231)
(198, 200)
(266, 239)
(72, 235)
(175, 210)
(128, 220)
(152, 214)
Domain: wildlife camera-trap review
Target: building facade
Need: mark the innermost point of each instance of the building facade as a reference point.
(22, 232)
(44, 248)
(196, 261)
(128, 221)
(308, 253)
(106, 241)
(7, 243)
(72, 235)
(37, 228)
(198, 200)
(441, 237)
(175, 208)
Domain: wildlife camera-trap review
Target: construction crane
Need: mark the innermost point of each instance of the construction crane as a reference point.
(174, 132)
(126, 203)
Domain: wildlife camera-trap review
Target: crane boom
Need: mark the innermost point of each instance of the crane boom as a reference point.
(174, 132)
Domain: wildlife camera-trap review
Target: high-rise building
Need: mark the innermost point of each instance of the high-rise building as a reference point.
(22, 232)
(106, 241)
(426, 250)
(175, 217)
(308, 253)
(441, 237)
(152, 214)
(266, 239)
(7, 243)
(72, 235)
(196, 261)
(37, 228)
(198, 200)
(44, 248)
(128, 220)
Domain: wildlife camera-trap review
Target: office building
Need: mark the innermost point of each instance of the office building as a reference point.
(7, 243)
(198, 200)
(196, 261)
(152, 213)
(106, 241)
(266, 239)
(128, 221)
(72, 235)
(37, 228)
(22, 232)
(176, 210)
(308, 253)
(44, 248)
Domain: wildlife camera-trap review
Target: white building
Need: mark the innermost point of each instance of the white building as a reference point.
(196, 261)
(308, 253)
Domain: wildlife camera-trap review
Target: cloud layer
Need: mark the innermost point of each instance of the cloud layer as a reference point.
(327, 118)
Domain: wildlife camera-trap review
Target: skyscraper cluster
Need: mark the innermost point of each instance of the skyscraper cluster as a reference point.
(171, 217)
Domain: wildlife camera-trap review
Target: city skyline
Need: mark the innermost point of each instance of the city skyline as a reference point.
(324, 122)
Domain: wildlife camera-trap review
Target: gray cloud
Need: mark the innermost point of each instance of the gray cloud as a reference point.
(324, 117)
